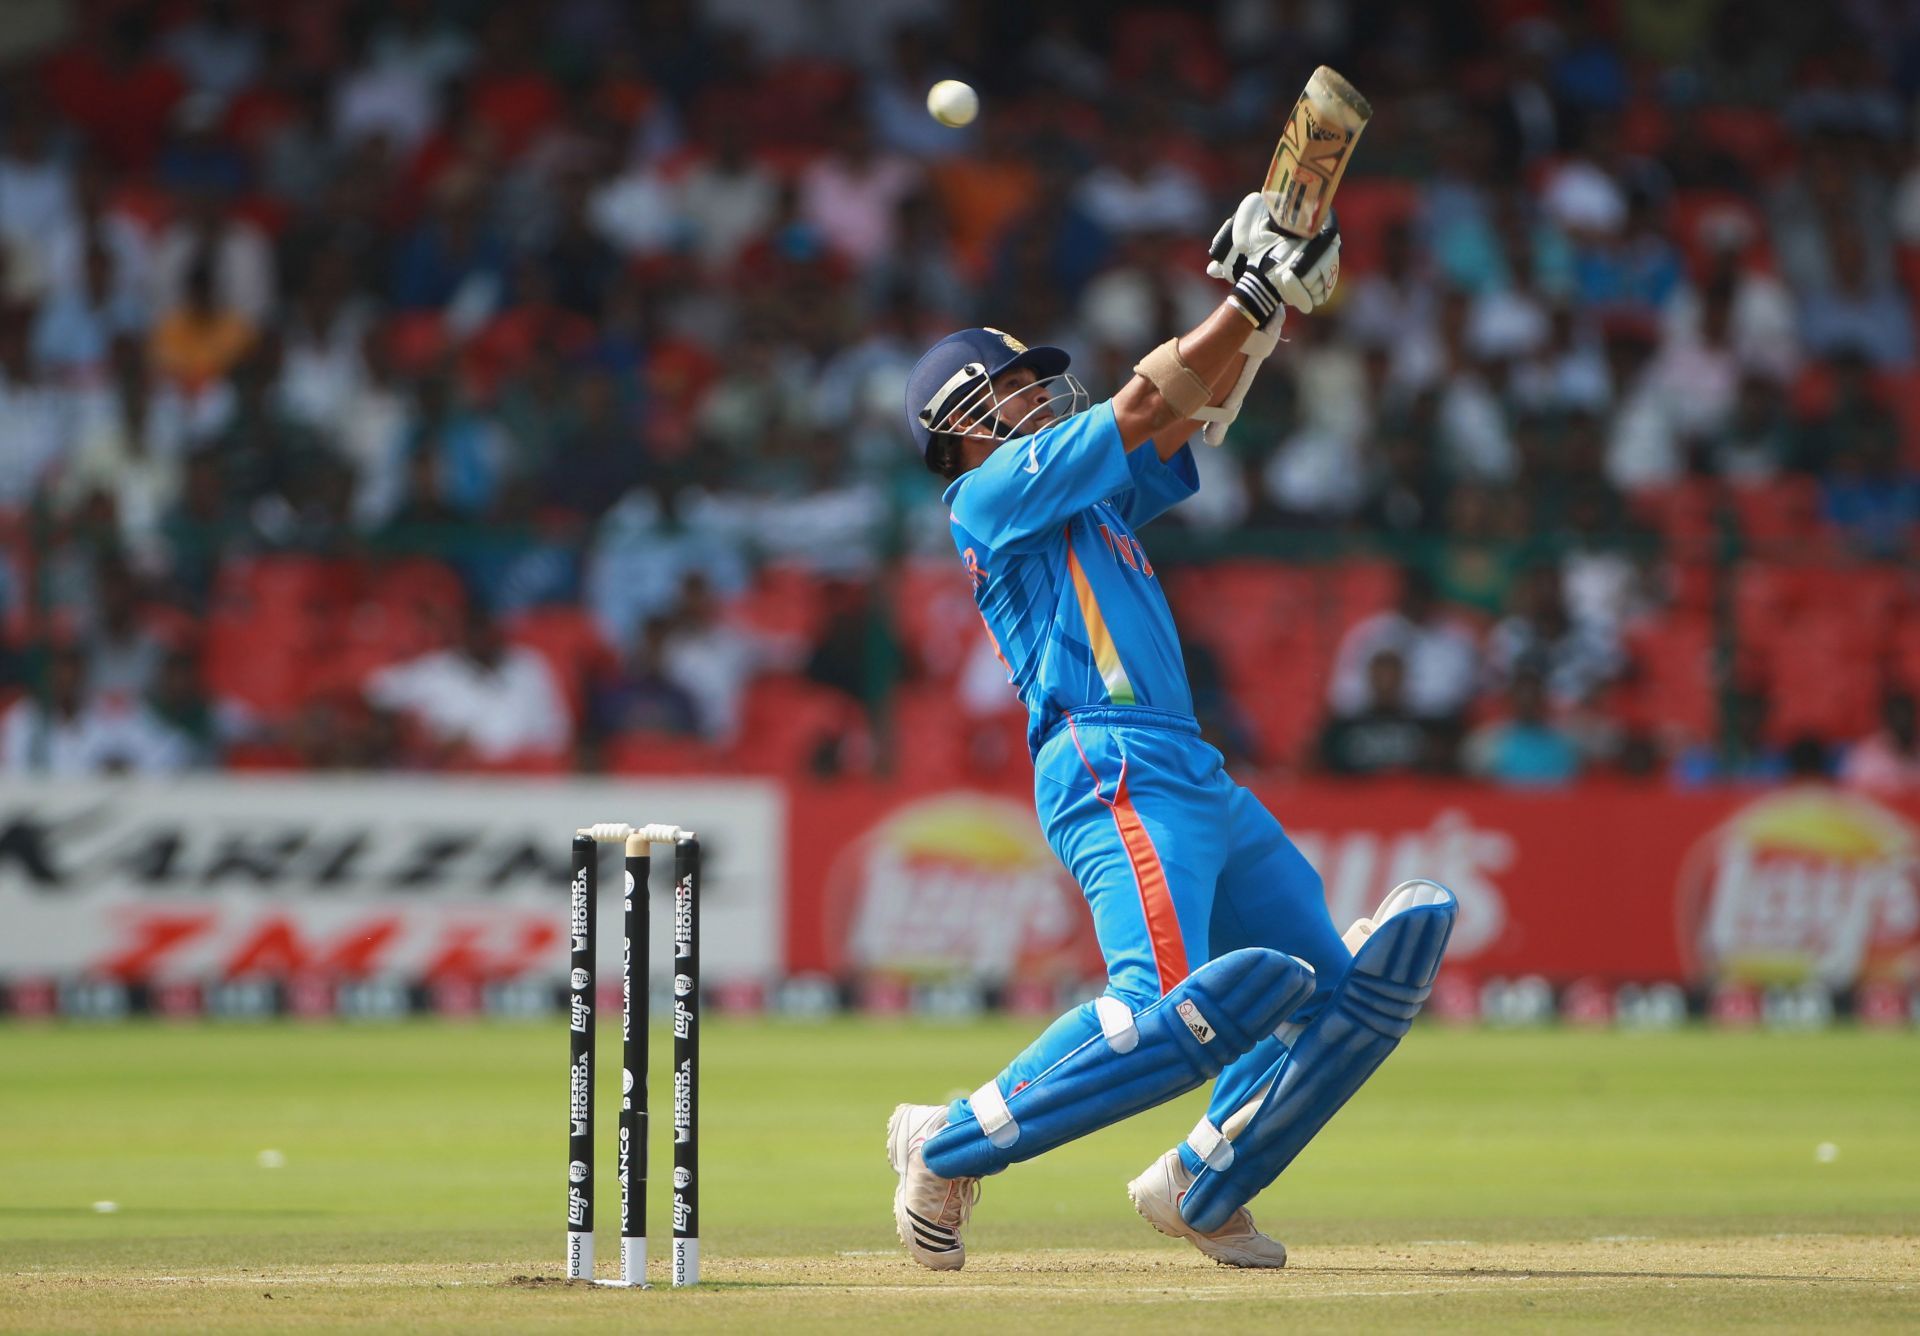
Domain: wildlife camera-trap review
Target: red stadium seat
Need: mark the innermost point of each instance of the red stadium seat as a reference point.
(1821, 688)
(1700, 218)
(1903, 658)
(260, 756)
(1693, 585)
(1685, 514)
(645, 753)
(1368, 206)
(1754, 136)
(520, 763)
(788, 720)
(1673, 686)
(1362, 589)
(571, 642)
(929, 737)
(1778, 513)
(784, 601)
(273, 623)
(1901, 391)
(936, 616)
(257, 665)
(1908, 259)
(1287, 713)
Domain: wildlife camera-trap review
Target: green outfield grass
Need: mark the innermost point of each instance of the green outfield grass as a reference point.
(1483, 1178)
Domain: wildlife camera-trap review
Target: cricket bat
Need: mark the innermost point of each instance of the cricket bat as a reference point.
(1313, 152)
(1301, 180)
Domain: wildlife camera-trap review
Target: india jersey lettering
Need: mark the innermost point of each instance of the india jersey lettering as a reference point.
(1045, 528)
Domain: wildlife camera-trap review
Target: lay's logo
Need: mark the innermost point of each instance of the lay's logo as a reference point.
(1809, 884)
(958, 885)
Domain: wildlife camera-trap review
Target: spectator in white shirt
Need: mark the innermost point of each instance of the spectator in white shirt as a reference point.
(131, 444)
(94, 220)
(237, 251)
(713, 661)
(391, 99)
(1573, 658)
(37, 418)
(70, 735)
(413, 37)
(728, 200)
(1442, 662)
(637, 211)
(123, 653)
(853, 193)
(1137, 190)
(1394, 303)
(36, 189)
(1887, 762)
(76, 325)
(322, 338)
(1856, 313)
(218, 55)
(1645, 447)
(484, 697)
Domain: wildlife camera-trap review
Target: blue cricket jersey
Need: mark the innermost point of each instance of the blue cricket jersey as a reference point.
(1046, 529)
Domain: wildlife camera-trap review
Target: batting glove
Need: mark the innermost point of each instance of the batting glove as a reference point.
(1300, 274)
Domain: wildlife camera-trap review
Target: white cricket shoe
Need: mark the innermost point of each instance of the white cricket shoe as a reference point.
(1156, 1195)
(928, 1211)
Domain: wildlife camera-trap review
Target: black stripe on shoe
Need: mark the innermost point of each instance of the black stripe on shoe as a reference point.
(930, 1224)
(934, 1237)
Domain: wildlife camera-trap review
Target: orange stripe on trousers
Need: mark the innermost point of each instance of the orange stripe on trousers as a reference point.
(1156, 898)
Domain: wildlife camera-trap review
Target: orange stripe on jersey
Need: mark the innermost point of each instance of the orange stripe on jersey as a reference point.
(1106, 655)
(1156, 897)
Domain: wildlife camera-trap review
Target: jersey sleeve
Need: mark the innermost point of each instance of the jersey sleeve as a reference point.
(1158, 485)
(1032, 485)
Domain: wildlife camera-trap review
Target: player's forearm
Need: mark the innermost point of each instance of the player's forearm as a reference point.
(1211, 351)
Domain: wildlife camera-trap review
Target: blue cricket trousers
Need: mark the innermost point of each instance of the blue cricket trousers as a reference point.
(1179, 864)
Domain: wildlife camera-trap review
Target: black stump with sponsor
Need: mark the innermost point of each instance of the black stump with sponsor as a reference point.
(633, 1072)
(580, 1003)
(686, 1062)
(635, 1017)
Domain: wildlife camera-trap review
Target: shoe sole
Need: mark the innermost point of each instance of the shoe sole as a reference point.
(1186, 1234)
(897, 1157)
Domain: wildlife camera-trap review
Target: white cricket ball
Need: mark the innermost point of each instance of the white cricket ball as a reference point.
(1826, 1152)
(953, 103)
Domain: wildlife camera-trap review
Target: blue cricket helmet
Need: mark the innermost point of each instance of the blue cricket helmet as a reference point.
(960, 368)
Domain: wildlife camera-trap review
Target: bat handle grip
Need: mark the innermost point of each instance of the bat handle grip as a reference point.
(1309, 255)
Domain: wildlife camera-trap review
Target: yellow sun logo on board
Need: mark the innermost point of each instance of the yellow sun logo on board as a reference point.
(1006, 338)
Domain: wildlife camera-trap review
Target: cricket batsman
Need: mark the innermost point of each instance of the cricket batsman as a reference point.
(1222, 959)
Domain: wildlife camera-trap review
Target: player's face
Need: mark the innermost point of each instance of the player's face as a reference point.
(1020, 393)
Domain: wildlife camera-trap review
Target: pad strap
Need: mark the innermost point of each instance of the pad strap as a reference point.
(1211, 1145)
(1116, 1023)
(1127, 1063)
(1185, 393)
(1365, 1018)
(996, 1119)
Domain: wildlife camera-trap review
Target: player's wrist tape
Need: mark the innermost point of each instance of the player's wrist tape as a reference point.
(1259, 344)
(1256, 297)
(1182, 389)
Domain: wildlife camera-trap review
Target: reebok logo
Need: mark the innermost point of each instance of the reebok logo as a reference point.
(1195, 1022)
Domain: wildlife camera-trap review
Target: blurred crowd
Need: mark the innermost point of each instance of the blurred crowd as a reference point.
(518, 382)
